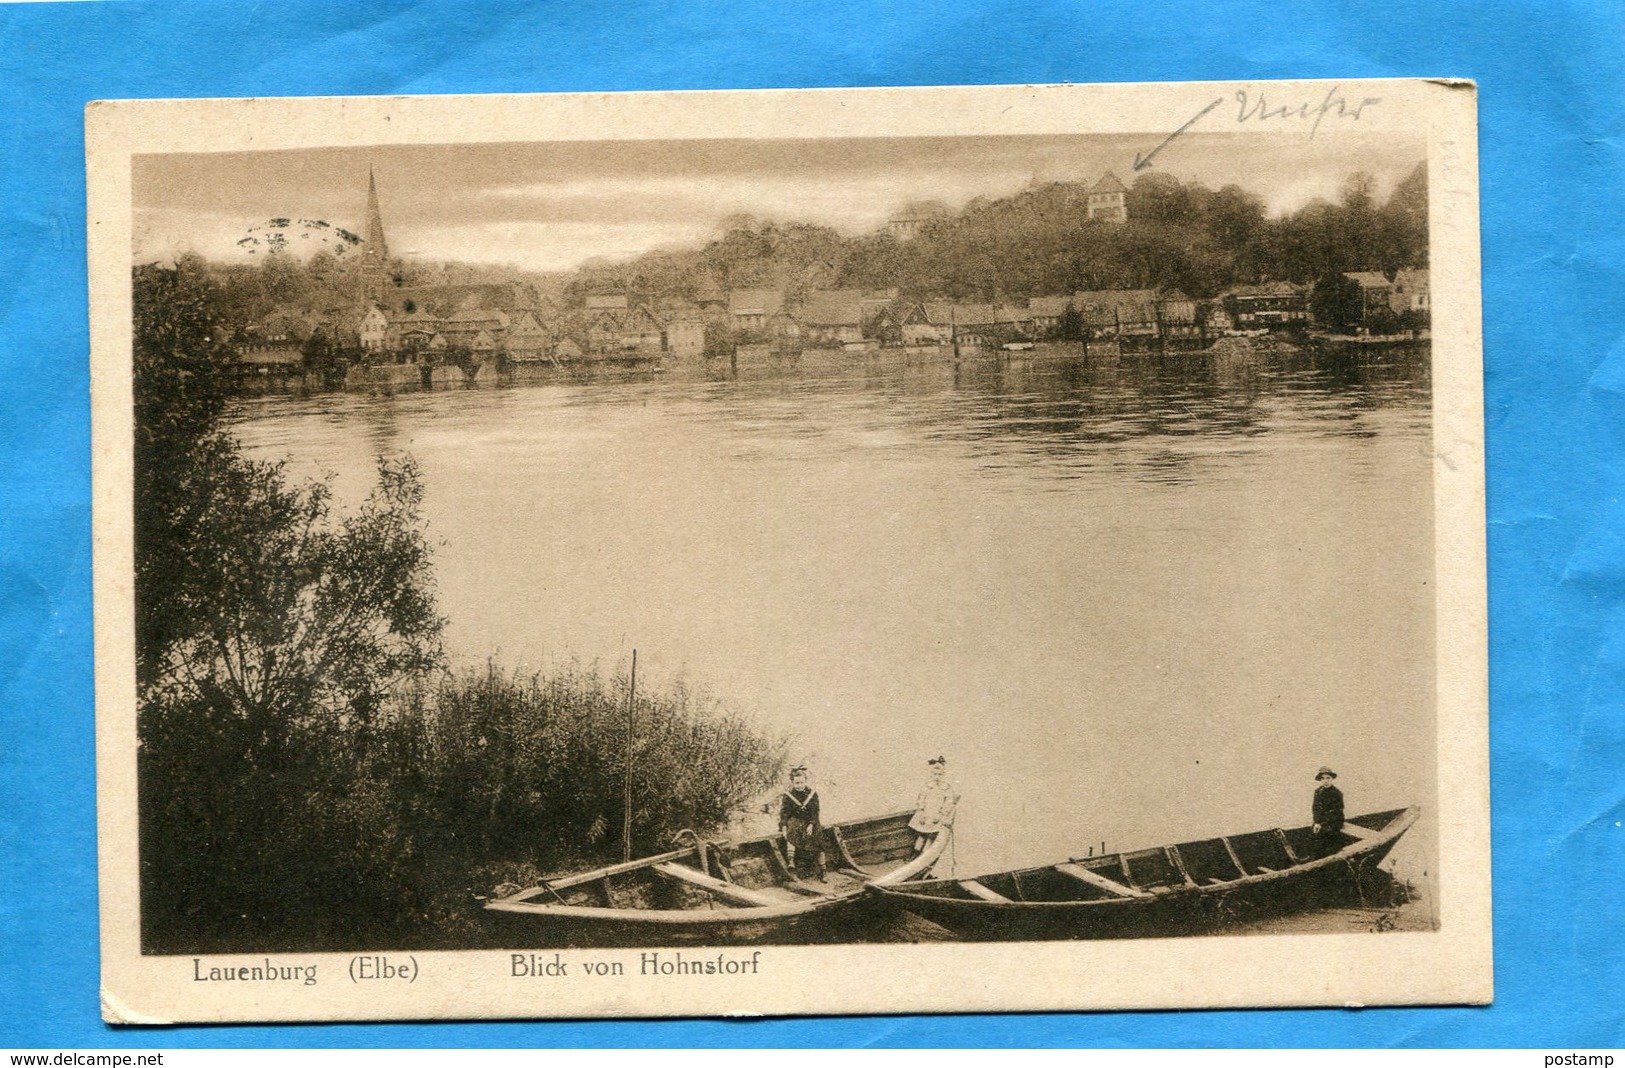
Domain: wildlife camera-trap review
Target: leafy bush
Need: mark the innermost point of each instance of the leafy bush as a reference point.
(309, 776)
(1336, 302)
(347, 834)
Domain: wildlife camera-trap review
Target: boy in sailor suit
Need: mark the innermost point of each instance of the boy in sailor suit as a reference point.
(800, 825)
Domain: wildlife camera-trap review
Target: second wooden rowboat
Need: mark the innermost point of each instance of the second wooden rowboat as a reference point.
(1169, 890)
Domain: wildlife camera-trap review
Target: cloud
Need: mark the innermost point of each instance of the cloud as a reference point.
(546, 246)
(852, 203)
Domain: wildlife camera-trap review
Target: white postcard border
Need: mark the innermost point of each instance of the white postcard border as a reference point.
(1450, 965)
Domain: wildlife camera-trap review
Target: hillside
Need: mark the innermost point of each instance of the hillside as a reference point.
(1179, 236)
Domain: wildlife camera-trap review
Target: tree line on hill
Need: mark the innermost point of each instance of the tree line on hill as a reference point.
(1179, 236)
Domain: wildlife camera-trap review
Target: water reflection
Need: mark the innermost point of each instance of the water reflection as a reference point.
(1063, 415)
(1161, 419)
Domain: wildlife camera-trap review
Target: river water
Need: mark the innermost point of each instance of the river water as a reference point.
(1131, 600)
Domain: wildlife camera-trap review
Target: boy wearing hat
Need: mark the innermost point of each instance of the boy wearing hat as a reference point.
(1327, 814)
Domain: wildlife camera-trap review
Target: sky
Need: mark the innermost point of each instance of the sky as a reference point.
(551, 206)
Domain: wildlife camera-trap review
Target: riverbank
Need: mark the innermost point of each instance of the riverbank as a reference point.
(763, 363)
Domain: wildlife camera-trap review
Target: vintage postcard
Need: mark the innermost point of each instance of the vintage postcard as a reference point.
(850, 551)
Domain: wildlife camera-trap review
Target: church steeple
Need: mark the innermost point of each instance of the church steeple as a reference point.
(375, 250)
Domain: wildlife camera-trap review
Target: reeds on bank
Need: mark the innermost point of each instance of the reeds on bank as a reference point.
(384, 831)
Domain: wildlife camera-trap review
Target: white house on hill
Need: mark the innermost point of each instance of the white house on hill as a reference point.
(1107, 199)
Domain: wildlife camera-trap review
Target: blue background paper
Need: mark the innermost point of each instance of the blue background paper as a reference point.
(1552, 100)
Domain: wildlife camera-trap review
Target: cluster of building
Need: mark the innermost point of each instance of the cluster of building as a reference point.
(1407, 291)
(512, 322)
(480, 324)
(1131, 317)
(509, 322)
(1270, 305)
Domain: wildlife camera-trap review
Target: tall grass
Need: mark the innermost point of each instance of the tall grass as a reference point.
(359, 834)
(531, 767)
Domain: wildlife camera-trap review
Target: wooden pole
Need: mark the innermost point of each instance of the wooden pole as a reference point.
(626, 795)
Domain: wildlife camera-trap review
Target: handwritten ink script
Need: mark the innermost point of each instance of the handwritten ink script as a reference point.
(1334, 104)
(1258, 110)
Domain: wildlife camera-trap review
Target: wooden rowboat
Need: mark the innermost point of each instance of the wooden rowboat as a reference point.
(745, 892)
(1166, 890)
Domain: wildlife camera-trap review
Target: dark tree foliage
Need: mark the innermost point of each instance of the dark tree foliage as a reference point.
(1336, 302)
(1070, 326)
(328, 357)
(459, 355)
(269, 637)
(232, 561)
(1180, 235)
(1405, 223)
(310, 777)
(182, 377)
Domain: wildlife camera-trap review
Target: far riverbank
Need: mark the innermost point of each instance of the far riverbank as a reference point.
(826, 363)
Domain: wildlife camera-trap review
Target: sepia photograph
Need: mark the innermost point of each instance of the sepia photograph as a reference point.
(634, 555)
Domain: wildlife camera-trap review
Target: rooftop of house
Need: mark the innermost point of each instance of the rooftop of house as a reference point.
(1108, 298)
(477, 318)
(975, 314)
(1048, 306)
(684, 313)
(755, 301)
(418, 317)
(832, 307)
(641, 318)
(1108, 184)
(282, 353)
(1264, 289)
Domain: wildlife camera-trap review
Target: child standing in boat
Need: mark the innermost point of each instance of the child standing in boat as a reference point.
(934, 810)
(799, 823)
